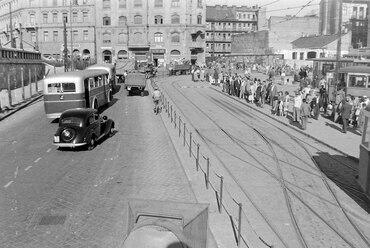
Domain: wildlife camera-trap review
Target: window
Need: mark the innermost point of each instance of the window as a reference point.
(158, 37)
(158, 19)
(175, 3)
(138, 19)
(138, 37)
(294, 55)
(74, 17)
(46, 36)
(200, 5)
(86, 35)
(175, 19)
(175, 37)
(354, 13)
(106, 21)
(33, 36)
(74, 2)
(32, 3)
(301, 56)
(32, 19)
(65, 2)
(44, 18)
(122, 54)
(122, 4)
(75, 35)
(361, 13)
(107, 38)
(138, 3)
(357, 81)
(65, 17)
(55, 36)
(106, 4)
(158, 3)
(85, 16)
(122, 38)
(55, 2)
(55, 17)
(122, 20)
(199, 19)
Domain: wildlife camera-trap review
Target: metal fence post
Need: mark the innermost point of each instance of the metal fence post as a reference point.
(207, 175)
(221, 191)
(30, 81)
(171, 114)
(174, 120)
(240, 224)
(184, 133)
(22, 81)
(190, 143)
(9, 90)
(197, 160)
(179, 126)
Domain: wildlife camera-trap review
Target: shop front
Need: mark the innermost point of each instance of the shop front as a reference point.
(158, 57)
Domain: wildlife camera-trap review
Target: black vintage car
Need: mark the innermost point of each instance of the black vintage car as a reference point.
(82, 127)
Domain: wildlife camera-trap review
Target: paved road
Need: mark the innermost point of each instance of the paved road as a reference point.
(53, 198)
(287, 201)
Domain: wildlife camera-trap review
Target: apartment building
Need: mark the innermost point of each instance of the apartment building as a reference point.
(159, 30)
(223, 22)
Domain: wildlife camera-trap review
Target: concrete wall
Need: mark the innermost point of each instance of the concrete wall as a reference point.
(256, 43)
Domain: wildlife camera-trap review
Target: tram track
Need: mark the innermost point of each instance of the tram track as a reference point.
(278, 177)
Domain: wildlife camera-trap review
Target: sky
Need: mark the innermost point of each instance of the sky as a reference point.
(275, 7)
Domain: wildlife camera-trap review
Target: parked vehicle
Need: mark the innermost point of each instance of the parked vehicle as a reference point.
(135, 82)
(76, 89)
(80, 127)
(179, 69)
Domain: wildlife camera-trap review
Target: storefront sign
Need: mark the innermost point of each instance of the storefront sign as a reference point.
(158, 50)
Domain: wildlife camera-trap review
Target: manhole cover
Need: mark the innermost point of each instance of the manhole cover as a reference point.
(52, 220)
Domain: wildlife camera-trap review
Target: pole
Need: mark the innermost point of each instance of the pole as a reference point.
(65, 50)
(221, 192)
(184, 133)
(197, 160)
(207, 175)
(239, 224)
(339, 45)
(70, 16)
(190, 140)
(12, 44)
(9, 89)
(22, 81)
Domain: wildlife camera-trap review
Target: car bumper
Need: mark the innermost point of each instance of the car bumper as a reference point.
(71, 145)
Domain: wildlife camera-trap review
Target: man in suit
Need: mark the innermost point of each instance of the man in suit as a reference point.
(346, 113)
(273, 92)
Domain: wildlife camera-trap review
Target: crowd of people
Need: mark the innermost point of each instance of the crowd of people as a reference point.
(309, 101)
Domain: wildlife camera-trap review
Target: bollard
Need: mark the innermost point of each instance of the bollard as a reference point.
(221, 190)
(207, 174)
(240, 224)
(179, 126)
(174, 120)
(197, 160)
(184, 133)
(190, 143)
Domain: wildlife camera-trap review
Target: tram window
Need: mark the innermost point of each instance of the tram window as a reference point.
(91, 82)
(357, 81)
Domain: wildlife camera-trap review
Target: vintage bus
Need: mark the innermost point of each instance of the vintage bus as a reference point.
(111, 69)
(76, 89)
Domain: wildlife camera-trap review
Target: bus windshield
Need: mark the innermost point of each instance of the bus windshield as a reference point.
(61, 87)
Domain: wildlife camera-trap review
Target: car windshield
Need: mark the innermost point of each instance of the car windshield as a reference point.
(72, 121)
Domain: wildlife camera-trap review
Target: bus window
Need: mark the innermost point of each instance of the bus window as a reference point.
(54, 88)
(91, 82)
(69, 87)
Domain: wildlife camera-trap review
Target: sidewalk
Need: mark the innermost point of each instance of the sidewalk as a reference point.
(323, 130)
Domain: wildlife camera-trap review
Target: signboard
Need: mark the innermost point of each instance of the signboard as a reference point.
(158, 50)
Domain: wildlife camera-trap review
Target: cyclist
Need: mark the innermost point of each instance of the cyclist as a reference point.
(156, 95)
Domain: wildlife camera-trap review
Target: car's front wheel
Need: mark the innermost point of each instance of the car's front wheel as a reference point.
(92, 143)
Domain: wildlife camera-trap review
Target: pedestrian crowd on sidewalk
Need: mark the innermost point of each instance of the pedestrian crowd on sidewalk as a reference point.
(306, 102)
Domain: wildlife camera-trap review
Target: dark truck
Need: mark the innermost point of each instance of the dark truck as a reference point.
(135, 82)
(179, 69)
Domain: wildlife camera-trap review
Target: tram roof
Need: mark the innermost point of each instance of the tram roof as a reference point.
(333, 59)
(355, 69)
(82, 73)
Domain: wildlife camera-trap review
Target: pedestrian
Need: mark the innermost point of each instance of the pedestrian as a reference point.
(297, 107)
(286, 103)
(305, 113)
(345, 112)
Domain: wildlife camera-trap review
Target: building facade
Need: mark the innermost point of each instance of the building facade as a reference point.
(159, 30)
(354, 18)
(223, 22)
(107, 30)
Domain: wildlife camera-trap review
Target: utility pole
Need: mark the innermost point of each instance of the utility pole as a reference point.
(12, 43)
(70, 21)
(65, 50)
(339, 45)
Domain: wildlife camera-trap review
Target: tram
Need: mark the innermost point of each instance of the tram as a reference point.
(355, 80)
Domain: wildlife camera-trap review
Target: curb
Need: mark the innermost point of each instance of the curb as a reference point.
(296, 129)
(23, 105)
